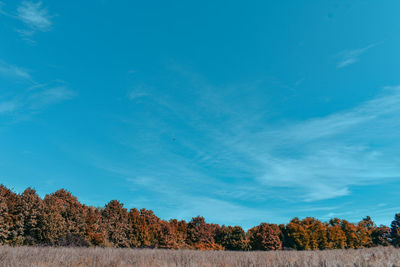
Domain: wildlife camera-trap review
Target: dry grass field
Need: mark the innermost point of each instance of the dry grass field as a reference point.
(50, 256)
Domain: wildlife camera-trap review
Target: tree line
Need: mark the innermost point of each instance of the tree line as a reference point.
(59, 219)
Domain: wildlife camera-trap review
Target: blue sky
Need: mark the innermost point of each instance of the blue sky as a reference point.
(240, 112)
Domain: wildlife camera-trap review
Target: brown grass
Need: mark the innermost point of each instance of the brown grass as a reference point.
(50, 256)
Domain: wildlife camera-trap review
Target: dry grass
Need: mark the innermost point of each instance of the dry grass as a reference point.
(42, 256)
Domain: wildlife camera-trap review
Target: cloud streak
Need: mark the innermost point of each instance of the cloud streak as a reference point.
(349, 57)
(27, 95)
(12, 71)
(34, 16)
(49, 96)
(325, 157)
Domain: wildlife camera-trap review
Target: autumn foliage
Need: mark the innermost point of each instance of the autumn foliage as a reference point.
(61, 220)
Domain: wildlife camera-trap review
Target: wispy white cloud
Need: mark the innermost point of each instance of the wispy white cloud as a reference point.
(29, 96)
(342, 121)
(328, 155)
(349, 57)
(323, 157)
(29, 102)
(13, 71)
(315, 159)
(34, 16)
(328, 172)
(50, 96)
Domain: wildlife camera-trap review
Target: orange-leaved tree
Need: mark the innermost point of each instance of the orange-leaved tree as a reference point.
(265, 237)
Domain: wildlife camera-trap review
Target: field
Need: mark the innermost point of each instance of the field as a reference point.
(50, 256)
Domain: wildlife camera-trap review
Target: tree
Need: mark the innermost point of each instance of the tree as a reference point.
(180, 228)
(5, 219)
(366, 227)
(354, 235)
(231, 238)
(153, 224)
(64, 219)
(96, 233)
(381, 236)
(297, 235)
(167, 237)
(54, 226)
(265, 237)
(316, 232)
(138, 234)
(201, 235)
(32, 209)
(13, 228)
(115, 220)
(335, 235)
(395, 231)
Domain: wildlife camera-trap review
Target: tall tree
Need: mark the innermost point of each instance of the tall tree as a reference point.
(381, 236)
(12, 217)
(54, 226)
(297, 235)
(168, 237)
(32, 209)
(180, 228)
(335, 235)
(354, 235)
(231, 238)
(154, 226)
(366, 227)
(265, 237)
(395, 230)
(138, 233)
(201, 234)
(5, 218)
(115, 220)
(96, 233)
